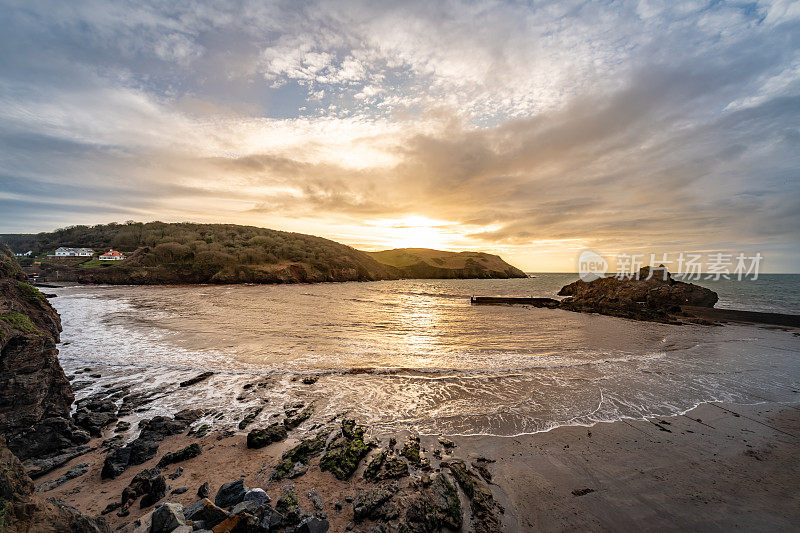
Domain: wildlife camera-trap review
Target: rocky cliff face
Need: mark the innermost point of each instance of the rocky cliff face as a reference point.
(640, 298)
(35, 395)
(23, 510)
(35, 400)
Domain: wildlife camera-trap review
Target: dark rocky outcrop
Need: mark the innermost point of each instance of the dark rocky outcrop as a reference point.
(484, 508)
(190, 451)
(22, 510)
(385, 466)
(294, 462)
(35, 395)
(433, 507)
(345, 451)
(145, 446)
(642, 297)
(258, 438)
(231, 493)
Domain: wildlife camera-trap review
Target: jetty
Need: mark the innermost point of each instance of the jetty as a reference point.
(710, 314)
(515, 300)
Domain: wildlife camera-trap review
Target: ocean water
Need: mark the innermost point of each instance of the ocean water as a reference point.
(414, 354)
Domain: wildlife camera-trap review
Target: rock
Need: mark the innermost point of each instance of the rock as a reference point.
(204, 510)
(446, 443)
(175, 475)
(249, 417)
(435, 508)
(24, 510)
(115, 463)
(411, 451)
(316, 499)
(385, 466)
(39, 467)
(258, 438)
(257, 495)
(231, 493)
(196, 379)
(35, 394)
(313, 525)
(180, 490)
(193, 450)
(167, 517)
(204, 491)
(122, 426)
(636, 296)
(74, 472)
(145, 447)
(368, 502)
(484, 508)
(294, 420)
(345, 452)
(245, 507)
(294, 462)
(149, 484)
(310, 380)
(289, 507)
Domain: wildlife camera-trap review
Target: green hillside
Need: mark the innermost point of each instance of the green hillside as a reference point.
(426, 263)
(159, 252)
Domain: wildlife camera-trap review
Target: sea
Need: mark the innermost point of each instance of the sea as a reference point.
(415, 355)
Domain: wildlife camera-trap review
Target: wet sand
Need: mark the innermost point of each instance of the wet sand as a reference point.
(719, 467)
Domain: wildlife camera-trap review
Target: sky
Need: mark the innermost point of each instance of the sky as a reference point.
(535, 130)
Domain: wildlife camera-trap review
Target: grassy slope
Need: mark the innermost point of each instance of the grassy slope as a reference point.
(414, 262)
(224, 253)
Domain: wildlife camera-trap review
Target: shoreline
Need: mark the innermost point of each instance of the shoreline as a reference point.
(713, 467)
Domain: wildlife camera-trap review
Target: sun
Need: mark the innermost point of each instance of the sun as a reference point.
(415, 232)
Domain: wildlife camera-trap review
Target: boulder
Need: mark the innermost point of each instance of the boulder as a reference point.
(204, 510)
(289, 506)
(193, 450)
(257, 495)
(231, 493)
(369, 501)
(258, 438)
(294, 462)
(313, 524)
(167, 517)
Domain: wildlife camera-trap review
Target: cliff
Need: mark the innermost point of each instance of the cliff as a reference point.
(35, 395)
(426, 263)
(35, 400)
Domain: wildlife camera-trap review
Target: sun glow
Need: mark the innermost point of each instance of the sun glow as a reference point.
(416, 232)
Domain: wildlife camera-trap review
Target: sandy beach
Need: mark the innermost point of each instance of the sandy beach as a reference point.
(716, 468)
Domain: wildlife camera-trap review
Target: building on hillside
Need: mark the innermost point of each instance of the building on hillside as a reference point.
(24, 254)
(112, 255)
(73, 252)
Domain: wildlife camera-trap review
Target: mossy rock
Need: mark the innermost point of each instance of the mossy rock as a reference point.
(345, 452)
(21, 322)
(302, 453)
(293, 420)
(411, 451)
(258, 438)
(385, 466)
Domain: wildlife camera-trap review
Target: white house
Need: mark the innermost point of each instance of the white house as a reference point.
(112, 255)
(24, 254)
(74, 252)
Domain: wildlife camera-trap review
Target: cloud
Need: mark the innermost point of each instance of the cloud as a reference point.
(633, 125)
